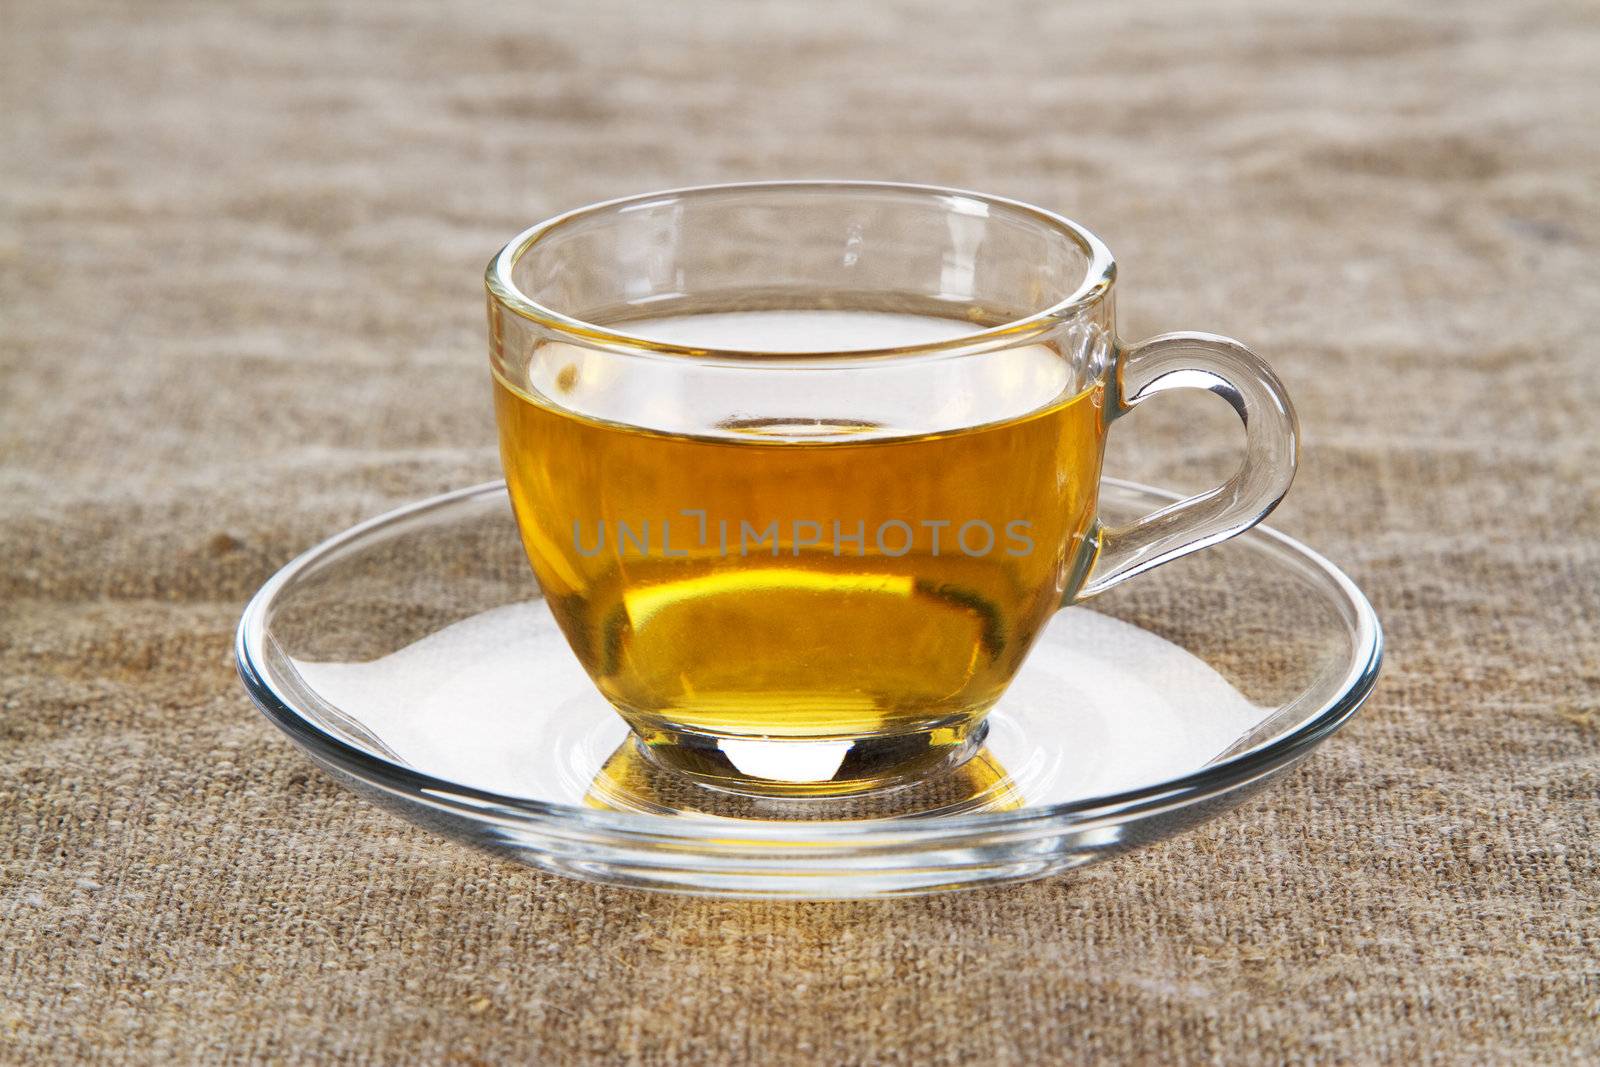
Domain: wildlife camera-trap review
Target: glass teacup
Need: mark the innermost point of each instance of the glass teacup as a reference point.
(804, 468)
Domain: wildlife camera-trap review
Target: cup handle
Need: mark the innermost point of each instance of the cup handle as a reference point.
(1218, 365)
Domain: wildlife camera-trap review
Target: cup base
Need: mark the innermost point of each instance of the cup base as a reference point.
(772, 767)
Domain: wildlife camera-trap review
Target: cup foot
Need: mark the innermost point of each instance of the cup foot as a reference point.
(809, 768)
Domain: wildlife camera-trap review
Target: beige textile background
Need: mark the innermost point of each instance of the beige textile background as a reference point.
(240, 251)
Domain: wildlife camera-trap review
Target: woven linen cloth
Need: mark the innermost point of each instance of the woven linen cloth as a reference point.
(241, 249)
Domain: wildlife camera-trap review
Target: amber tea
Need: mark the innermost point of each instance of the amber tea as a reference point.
(754, 568)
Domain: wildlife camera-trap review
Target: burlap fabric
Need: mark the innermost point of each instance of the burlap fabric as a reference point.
(240, 250)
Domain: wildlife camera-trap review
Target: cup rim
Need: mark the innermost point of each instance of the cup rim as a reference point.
(1099, 276)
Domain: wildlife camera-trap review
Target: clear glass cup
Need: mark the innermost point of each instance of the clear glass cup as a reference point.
(804, 468)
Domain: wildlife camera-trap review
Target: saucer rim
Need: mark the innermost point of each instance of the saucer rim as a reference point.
(253, 644)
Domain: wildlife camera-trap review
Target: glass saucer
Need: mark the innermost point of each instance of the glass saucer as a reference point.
(412, 658)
